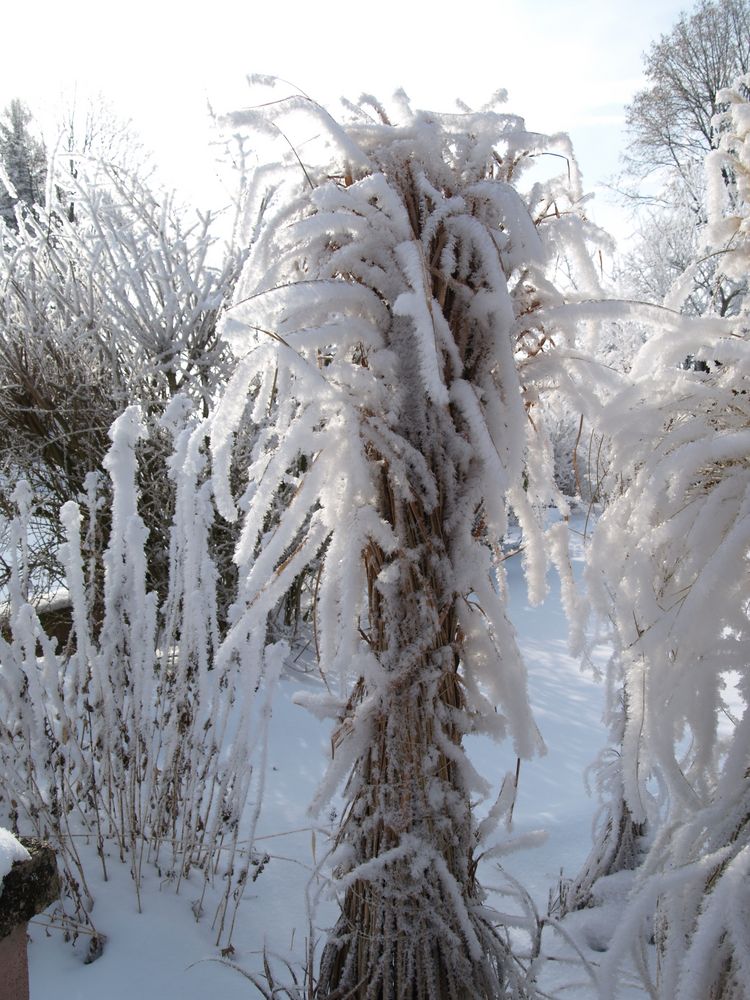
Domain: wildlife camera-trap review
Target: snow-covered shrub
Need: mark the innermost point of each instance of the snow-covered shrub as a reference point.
(390, 313)
(580, 455)
(671, 566)
(583, 465)
(118, 306)
(132, 735)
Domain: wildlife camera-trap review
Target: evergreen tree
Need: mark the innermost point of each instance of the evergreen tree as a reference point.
(23, 162)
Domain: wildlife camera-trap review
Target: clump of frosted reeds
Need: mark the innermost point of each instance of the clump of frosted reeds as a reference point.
(131, 736)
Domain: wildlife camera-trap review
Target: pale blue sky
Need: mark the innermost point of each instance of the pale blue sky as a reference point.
(568, 65)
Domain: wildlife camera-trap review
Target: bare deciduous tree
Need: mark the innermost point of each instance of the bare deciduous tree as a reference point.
(671, 121)
(672, 125)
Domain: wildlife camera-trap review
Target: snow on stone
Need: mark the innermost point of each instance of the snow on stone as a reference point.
(11, 850)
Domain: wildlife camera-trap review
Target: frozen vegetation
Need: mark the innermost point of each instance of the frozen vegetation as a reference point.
(402, 646)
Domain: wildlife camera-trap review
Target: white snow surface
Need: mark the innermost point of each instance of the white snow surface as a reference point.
(165, 952)
(11, 850)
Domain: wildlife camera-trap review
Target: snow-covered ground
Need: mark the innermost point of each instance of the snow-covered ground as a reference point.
(165, 952)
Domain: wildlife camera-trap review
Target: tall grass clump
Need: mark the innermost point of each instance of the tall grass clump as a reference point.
(388, 318)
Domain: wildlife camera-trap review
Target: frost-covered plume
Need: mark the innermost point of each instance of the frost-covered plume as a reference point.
(386, 323)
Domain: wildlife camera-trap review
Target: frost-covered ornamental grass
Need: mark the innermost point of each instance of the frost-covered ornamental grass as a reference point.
(385, 326)
(671, 565)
